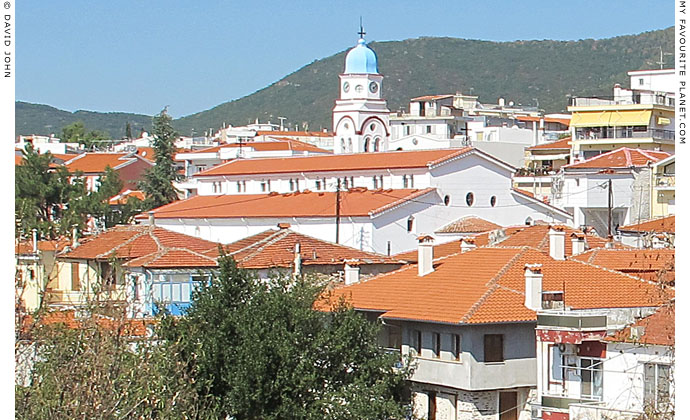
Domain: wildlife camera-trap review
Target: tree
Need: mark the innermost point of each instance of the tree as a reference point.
(128, 131)
(76, 133)
(157, 184)
(262, 352)
(46, 198)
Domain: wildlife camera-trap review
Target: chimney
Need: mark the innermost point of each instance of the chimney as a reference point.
(34, 237)
(298, 260)
(75, 239)
(351, 272)
(609, 242)
(578, 242)
(283, 225)
(467, 244)
(533, 279)
(152, 219)
(557, 242)
(425, 255)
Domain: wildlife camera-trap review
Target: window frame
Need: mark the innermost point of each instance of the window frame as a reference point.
(498, 349)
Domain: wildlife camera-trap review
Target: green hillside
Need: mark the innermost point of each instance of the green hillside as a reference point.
(520, 71)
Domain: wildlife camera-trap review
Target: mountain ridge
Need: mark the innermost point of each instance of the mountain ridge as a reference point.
(524, 71)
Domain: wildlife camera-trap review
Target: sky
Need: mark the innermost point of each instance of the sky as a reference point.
(141, 55)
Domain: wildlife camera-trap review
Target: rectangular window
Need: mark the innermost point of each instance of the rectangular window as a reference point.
(405, 181)
(76, 284)
(376, 183)
(417, 341)
(428, 129)
(592, 378)
(437, 344)
(657, 379)
(493, 348)
(641, 81)
(318, 185)
(407, 130)
(457, 346)
(431, 415)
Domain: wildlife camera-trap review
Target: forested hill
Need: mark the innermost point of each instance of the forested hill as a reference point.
(522, 71)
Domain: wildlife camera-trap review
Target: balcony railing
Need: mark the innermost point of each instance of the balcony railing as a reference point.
(571, 320)
(623, 133)
(665, 180)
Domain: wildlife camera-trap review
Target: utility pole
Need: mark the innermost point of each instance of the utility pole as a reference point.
(337, 212)
(610, 207)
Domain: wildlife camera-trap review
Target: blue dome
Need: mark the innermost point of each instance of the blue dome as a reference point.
(361, 59)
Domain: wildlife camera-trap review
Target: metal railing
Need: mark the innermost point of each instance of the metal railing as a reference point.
(623, 133)
(665, 180)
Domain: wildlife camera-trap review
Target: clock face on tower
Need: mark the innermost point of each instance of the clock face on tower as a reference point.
(359, 88)
(346, 87)
(373, 87)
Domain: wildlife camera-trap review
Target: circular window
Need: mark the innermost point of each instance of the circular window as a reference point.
(493, 201)
(346, 126)
(469, 198)
(372, 127)
(446, 200)
(415, 141)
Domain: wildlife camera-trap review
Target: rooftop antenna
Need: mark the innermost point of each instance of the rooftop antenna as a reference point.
(361, 29)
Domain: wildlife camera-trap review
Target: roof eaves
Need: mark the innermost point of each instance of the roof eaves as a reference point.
(549, 206)
(400, 202)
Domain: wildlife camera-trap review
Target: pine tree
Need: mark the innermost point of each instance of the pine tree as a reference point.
(157, 184)
(128, 131)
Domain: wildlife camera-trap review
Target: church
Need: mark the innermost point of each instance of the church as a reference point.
(361, 115)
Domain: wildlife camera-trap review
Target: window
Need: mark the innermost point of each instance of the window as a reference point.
(592, 376)
(318, 185)
(493, 201)
(469, 199)
(417, 341)
(657, 379)
(408, 181)
(493, 348)
(263, 186)
(366, 144)
(294, 184)
(410, 224)
(457, 346)
(76, 285)
(446, 200)
(437, 345)
(376, 182)
(428, 129)
(377, 142)
(431, 415)
(372, 127)
(242, 186)
(407, 130)
(641, 81)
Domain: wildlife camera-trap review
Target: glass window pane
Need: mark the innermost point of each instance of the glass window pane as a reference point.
(156, 291)
(176, 290)
(165, 292)
(186, 292)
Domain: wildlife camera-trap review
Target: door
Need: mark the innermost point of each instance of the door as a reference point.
(507, 406)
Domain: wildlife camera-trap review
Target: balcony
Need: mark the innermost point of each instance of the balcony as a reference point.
(571, 321)
(608, 133)
(79, 297)
(665, 181)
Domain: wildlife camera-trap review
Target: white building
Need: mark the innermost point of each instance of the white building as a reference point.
(582, 188)
(387, 198)
(360, 115)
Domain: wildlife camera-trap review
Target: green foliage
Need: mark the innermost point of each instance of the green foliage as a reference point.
(94, 371)
(157, 183)
(45, 199)
(518, 71)
(76, 133)
(262, 352)
(128, 130)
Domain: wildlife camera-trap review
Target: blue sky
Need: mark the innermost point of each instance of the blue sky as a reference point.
(140, 55)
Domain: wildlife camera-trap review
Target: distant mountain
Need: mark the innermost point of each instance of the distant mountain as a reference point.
(522, 71)
(44, 119)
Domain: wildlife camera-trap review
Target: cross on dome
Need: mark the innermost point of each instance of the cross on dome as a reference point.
(361, 32)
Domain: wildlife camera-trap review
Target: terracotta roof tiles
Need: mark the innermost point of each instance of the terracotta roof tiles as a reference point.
(357, 202)
(662, 224)
(487, 285)
(340, 162)
(97, 162)
(623, 157)
(657, 329)
(469, 224)
(563, 144)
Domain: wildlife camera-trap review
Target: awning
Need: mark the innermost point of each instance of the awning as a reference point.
(626, 118)
(548, 157)
(611, 118)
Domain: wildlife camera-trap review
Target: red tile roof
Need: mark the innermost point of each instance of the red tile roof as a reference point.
(26, 247)
(277, 249)
(563, 144)
(487, 285)
(67, 318)
(469, 224)
(123, 197)
(662, 224)
(346, 162)
(18, 160)
(133, 241)
(535, 236)
(294, 133)
(97, 162)
(650, 264)
(657, 329)
(277, 143)
(173, 258)
(620, 158)
(564, 121)
(357, 202)
(430, 97)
